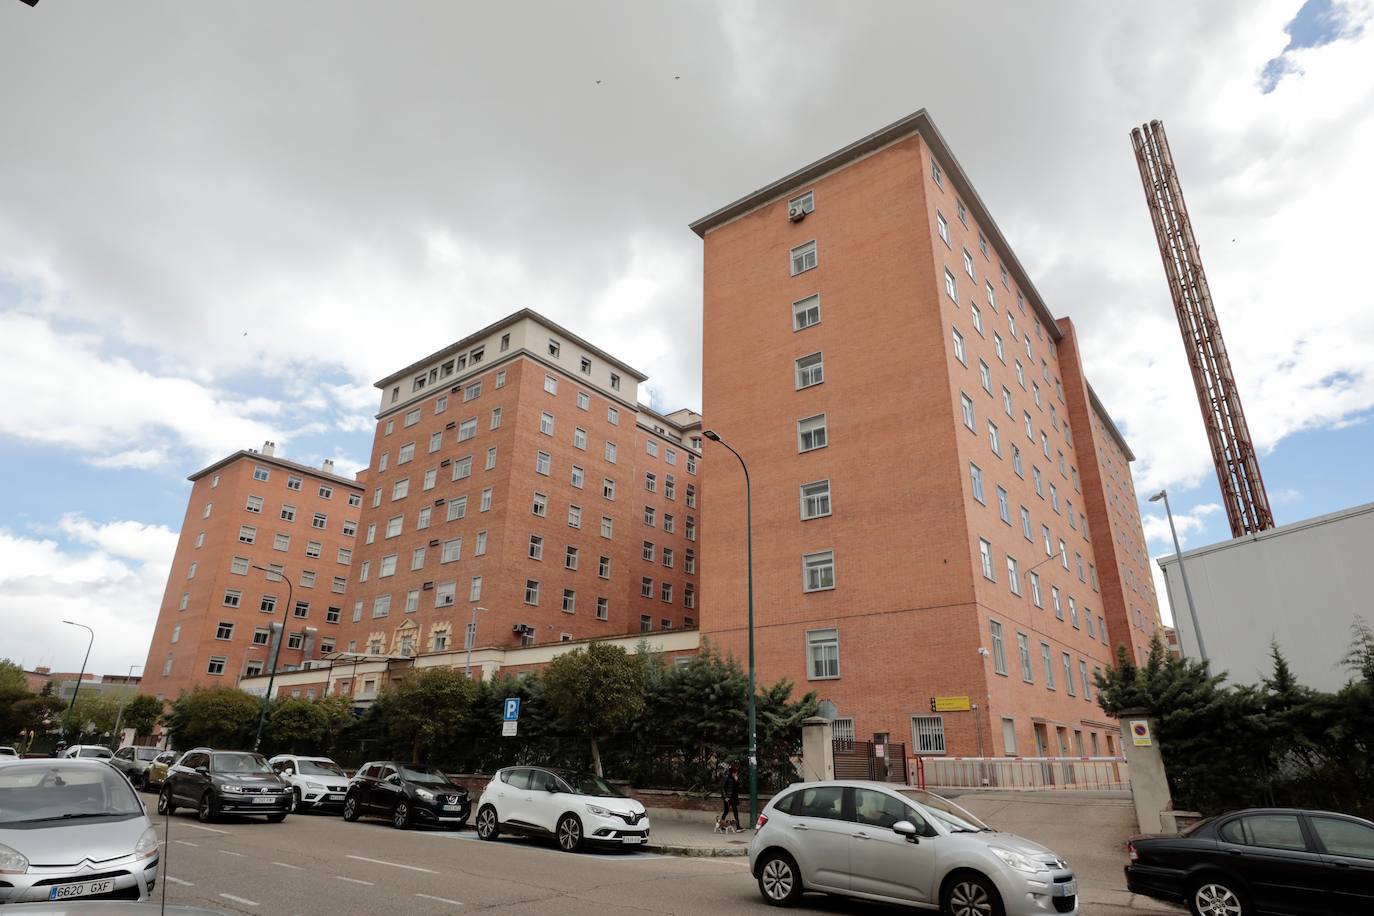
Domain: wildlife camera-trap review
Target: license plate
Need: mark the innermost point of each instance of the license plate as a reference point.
(84, 889)
(1067, 889)
(453, 807)
(335, 798)
(264, 800)
(632, 840)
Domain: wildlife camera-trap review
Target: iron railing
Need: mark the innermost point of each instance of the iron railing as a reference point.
(1020, 773)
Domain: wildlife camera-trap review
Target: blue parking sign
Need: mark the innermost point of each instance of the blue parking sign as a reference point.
(512, 709)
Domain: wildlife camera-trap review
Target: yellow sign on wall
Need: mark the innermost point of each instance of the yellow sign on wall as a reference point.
(950, 704)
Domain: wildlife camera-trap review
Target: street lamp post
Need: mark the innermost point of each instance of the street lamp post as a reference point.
(276, 652)
(80, 677)
(1183, 573)
(120, 718)
(471, 640)
(749, 560)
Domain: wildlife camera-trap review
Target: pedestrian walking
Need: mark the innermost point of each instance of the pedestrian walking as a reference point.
(728, 822)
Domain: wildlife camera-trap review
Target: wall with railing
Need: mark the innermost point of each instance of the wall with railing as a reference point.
(1021, 773)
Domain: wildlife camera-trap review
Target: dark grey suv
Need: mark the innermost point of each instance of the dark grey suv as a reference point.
(224, 782)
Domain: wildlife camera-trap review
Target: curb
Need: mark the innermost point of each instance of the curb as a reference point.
(669, 849)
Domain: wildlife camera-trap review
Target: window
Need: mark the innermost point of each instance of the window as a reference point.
(225, 630)
(467, 429)
(646, 623)
(387, 567)
(647, 551)
(966, 404)
(959, 352)
(811, 433)
(1047, 662)
(607, 527)
(436, 440)
(381, 606)
(261, 473)
(818, 571)
(302, 609)
(1083, 679)
(823, 654)
(321, 521)
(806, 312)
(540, 507)
(532, 592)
(997, 347)
(1013, 575)
(232, 597)
(288, 513)
(491, 459)
(646, 587)
(968, 264)
(810, 370)
(546, 423)
(975, 474)
(928, 734)
(254, 504)
(803, 258)
(1026, 524)
(613, 416)
(1003, 505)
(1039, 482)
(804, 203)
(1342, 837)
(281, 542)
(689, 561)
(669, 487)
(313, 549)
(1068, 675)
(1023, 651)
(239, 566)
(428, 481)
(1055, 601)
(472, 392)
(569, 601)
(1073, 612)
(985, 559)
(268, 604)
(815, 499)
(984, 376)
(691, 528)
(992, 297)
(666, 592)
(603, 608)
(615, 381)
(651, 482)
(942, 226)
(570, 558)
(480, 548)
(999, 652)
(406, 453)
(216, 665)
(441, 404)
(574, 516)
(551, 384)
(1006, 401)
(412, 417)
(1035, 588)
(536, 550)
(951, 289)
(247, 535)
(501, 375)
(650, 516)
(603, 567)
(542, 463)
(394, 525)
(610, 452)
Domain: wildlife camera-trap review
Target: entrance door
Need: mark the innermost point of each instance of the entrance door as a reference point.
(1042, 749)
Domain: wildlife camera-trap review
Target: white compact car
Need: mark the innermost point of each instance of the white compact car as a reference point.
(317, 783)
(895, 844)
(99, 752)
(576, 809)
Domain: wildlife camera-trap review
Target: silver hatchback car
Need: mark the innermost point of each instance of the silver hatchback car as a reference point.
(73, 829)
(899, 845)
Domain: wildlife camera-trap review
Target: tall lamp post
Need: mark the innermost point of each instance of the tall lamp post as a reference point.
(1183, 572)
(471, 640)
(80, 677)
(276, 652)
(120, 718)
(749, 559)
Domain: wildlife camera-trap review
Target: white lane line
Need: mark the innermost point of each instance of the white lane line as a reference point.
(179, 881)
(239, 900)
(185, 843)
(356, 881)
(440, 899)
(228, 853)
(428, 871)
(288, 865)
(206, 829)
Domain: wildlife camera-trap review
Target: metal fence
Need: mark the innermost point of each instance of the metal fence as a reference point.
(1020, 773)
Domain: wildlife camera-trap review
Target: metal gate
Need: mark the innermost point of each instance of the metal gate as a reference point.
(860, 760)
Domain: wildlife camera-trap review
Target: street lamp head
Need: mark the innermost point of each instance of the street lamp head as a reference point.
(982, 650)
(1157, 497)
(711, 434)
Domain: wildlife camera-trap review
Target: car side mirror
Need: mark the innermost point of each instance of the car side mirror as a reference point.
(906, 829)
(288, 772)
(203, 771)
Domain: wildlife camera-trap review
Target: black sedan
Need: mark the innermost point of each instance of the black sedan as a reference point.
(406, 793)
(1278, 861)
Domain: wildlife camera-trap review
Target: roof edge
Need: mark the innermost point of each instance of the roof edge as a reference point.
(1110, 423)
(280, 462)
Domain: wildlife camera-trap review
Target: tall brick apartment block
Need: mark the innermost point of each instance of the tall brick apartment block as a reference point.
(249, 510)
(942, 507)
(516, 471)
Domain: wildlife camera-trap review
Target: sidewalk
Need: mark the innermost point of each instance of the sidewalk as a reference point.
(692, 833)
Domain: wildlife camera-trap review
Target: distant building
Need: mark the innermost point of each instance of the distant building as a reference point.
(64, 682)
(1299, 585)
(942, 506)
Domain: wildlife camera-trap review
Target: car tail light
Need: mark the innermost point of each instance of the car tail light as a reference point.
(763, 819)
(1131, 852)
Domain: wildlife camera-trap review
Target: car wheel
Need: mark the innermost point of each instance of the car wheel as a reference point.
(779, 880)
(971, 895)
(165, 805)
(350, 812)
(1217, 897)
(208, 810)
(295, 801)
(488, 827)
(276, 818)
(400, 817)
(569, 833)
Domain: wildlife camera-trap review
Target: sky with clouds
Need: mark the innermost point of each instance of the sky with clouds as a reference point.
(220, 225)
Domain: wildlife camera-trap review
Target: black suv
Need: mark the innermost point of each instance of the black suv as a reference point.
(224, 782)
(406, 793)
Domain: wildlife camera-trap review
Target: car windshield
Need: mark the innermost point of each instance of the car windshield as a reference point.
(239, 763)
(423, 774)
(319, 768)
(954, 818)
(590, 784)
(146, 753)
(101, 752)
(52, 791)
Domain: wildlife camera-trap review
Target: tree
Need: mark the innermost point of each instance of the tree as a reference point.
(297, 726)
(32, 716)
(427, 708)
(93, 714)
(12, 679)
(218, 717)
(141, 714)
(14, 689)
(1360, 658)
(596, 692)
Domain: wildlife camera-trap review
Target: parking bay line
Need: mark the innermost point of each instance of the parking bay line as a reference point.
(186, 843)
(179, 881)
(440, 899)
(356, 881)
(289, 865)
(428, 871)
(206, 829)
(239, 900)
(228, 853)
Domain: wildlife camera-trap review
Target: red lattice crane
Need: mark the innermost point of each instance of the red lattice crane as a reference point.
(1233, 452)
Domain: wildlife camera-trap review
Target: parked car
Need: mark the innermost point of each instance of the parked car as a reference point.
(893, 844)
(224, 782)
(1279, 861)
(98, 751)
(156, 774)
(316, 782)
(72, 829)
(576, 809)
(7, 751)
(133, 761)
(407, 794)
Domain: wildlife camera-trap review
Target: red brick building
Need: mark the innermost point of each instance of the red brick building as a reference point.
(941, 506)
(515, 471)
(221, 613)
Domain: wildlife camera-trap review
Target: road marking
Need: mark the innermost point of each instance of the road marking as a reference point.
(185, 843)
(440, 899)
(228, 853)
(288, 865)
(179, 881)
(628, 854)
(356, 881)
(206, 829)
(239, 900)
(428, 871)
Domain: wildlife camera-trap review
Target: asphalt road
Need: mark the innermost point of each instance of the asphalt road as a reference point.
(317, 865)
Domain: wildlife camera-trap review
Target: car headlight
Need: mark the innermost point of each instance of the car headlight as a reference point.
(600, 811)
(12, 862)
(231, 787)
(425, 795)
(1018, 861)
(146, 847)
